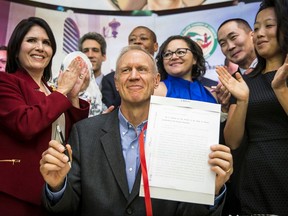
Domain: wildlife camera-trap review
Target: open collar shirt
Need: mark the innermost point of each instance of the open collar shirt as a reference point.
(130, 147)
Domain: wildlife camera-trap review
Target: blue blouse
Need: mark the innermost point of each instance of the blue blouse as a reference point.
(180, 88)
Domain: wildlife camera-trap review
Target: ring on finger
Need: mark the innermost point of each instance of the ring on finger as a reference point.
(227, 171)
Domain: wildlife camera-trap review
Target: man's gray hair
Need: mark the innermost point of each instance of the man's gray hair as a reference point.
(135, 47)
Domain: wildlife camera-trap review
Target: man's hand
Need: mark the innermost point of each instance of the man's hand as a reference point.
(54, 165)
(222, 164)
(110, 109)
(223, 96)
(237, 87)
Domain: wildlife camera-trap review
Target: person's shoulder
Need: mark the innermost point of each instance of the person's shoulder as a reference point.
(5, 75)
(109, 77)
(161, 89)
(111, 74)
(11, 78)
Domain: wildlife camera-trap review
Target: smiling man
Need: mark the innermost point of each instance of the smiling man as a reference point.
(235, 40)
(141, 36)
(93, 45)
(106, 173)
(144, 37)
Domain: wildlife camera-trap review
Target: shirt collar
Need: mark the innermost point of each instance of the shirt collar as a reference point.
(99, 79)
(125, 124)
(252, 65)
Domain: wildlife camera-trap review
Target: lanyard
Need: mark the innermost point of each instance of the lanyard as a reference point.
(147, 197)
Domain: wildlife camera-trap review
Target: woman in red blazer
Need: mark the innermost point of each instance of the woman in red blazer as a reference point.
(30, 111)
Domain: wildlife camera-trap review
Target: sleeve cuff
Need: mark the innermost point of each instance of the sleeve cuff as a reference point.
(54, 197)
(219, 198)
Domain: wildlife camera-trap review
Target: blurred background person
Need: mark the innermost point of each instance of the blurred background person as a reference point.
(3, 58)
(91, 92)
(155, 4)
(30, 111)
(93, 45)
(144, 37)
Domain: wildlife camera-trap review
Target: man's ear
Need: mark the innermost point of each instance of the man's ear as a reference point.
(157, 80)
(155, 47)
(251, 34)
(104, 57)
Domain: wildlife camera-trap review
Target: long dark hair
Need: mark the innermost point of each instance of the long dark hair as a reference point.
(281, 11)
(198, 69)
(16, 40)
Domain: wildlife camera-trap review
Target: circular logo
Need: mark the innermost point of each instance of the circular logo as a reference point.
(204, 35)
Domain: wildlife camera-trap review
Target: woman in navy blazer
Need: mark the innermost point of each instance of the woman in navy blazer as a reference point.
(29, 112)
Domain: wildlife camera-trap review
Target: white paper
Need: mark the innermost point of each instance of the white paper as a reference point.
(177, 146)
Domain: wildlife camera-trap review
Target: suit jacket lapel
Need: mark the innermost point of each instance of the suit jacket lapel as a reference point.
(136, 187)
(111, 143)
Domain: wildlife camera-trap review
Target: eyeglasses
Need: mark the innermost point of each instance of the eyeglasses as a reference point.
(180, 52)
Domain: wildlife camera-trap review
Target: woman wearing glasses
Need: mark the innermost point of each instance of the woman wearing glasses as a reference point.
(181, 63)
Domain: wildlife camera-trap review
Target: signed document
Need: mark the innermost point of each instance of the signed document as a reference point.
(177, 145)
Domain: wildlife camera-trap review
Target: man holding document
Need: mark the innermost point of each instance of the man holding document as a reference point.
(105, 175)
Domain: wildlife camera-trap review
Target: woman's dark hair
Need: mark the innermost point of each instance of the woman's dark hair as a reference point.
(281, 11)
(16, 40)
(198, 70)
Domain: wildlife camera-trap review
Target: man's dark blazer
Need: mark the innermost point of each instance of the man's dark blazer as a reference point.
(208, 82)
(97, 183)
(110, 96)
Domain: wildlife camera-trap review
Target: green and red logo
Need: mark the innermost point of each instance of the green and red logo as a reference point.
(204, 34)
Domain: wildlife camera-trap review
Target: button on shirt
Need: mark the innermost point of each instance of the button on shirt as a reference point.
(130, 147)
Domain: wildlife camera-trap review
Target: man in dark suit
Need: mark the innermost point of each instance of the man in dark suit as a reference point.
(105, 174)
(142, 36)
(110, 95)
(236, 42)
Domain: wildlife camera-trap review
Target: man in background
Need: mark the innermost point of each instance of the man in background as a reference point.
(235, 40)
(3, 58)
(144, 37)
(93, 45)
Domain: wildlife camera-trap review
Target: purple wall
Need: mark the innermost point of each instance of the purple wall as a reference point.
(4, 16)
